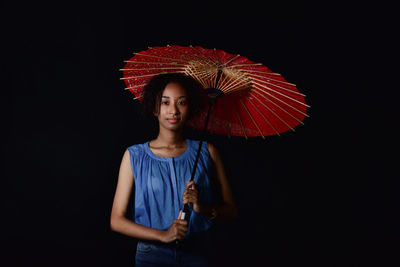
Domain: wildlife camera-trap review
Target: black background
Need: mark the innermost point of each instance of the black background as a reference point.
(325, 195)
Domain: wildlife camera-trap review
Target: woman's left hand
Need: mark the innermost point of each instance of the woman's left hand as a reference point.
(191, 196)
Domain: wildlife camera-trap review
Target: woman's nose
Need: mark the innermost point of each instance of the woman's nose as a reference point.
(173, 109)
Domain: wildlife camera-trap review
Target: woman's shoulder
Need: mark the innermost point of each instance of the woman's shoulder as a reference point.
(212, 150)
(206, 146)
(135, 148)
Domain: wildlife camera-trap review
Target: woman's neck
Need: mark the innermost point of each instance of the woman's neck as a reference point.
(170, 139)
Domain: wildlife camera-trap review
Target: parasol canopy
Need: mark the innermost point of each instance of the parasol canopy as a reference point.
(255, 102)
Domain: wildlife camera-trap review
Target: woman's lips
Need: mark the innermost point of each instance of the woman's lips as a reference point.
(174, 120)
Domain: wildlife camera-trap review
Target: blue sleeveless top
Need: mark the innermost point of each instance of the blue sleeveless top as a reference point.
(160, 182)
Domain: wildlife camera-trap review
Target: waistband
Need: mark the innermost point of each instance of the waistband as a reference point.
(196, 243)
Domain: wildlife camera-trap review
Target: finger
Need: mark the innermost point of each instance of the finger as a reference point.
(181, 222)
(190, 193)
(182, 231)
(180, 236)
(192, 199)
(180, 214)
(190, 184)
(182, 228)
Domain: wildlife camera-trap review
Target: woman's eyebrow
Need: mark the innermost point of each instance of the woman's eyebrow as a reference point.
(182, 96)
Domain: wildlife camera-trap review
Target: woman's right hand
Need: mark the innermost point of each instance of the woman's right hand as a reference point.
(177, 230)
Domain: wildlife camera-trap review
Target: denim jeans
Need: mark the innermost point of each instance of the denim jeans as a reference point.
(153, 254)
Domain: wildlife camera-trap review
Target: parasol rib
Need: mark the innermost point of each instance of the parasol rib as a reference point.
(238, 87)
(135, 98)
(227, 124)
(281, 108)
(234, 86)
(207, 76)
(155, 62)
(193, 56)
(276, 115)
(241, 123)
(279, 93)
(268, 78)
(187, 56)
(245, 65)
(205, 56)
(231, 59)
(265, 119)
(164, 68)
(135, 86)
(192, 73)
(145, 55)
(280, 87)
(252, 119)
(223, 82)
(268, 72)
(217, 57)
(278, 100)
(233, 81)
(148, 75)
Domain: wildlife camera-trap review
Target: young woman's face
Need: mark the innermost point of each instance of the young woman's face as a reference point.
(174, 107)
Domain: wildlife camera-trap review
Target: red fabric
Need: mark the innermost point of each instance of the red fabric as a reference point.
(269, 106)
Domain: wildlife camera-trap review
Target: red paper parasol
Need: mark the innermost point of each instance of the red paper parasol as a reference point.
(255, 102)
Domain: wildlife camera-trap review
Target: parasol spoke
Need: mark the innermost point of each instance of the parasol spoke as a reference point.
(265, 119)
(223, 82)
(217, 57)
(234, 81)
(238, 87)
(155, 62)
(192, 56)
(276, 115)
(204, 56)
(270, 100)
(280, 87)
(231, 59)
(241, 123)
(252, 119)
(236, 84)
(279, 93)
(148, 75)
(268, 72)
(140, 96)
(195, 75)
(181, 53)
(269, 78)
(207, 76)
(281, 108)
(287, 104)
(135, 86)
(245, 65)
(153, 56)
(227, 123)
(162, 68)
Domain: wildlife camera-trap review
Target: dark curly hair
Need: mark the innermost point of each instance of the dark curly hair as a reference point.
(154, 88)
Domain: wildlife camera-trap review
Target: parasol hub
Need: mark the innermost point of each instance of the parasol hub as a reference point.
(214, 92)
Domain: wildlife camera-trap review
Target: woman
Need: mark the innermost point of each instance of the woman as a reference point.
(160, 171)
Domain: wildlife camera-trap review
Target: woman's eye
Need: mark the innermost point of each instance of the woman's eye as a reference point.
(165, 102)
(182, 103)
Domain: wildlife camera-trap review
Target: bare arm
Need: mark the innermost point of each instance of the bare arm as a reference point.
(121, 224)
(226, 211)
